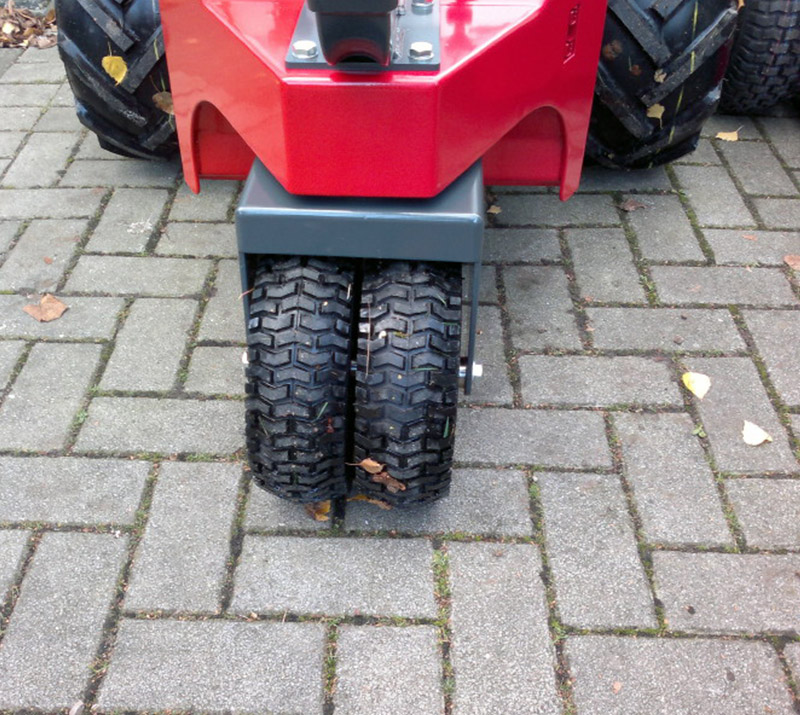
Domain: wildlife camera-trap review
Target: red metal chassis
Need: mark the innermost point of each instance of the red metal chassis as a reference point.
(515, 88)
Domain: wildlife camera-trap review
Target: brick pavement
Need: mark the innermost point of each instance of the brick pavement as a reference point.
(610, 544)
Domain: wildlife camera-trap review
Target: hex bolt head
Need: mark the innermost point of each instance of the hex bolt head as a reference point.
(304, 49)
(420, 51)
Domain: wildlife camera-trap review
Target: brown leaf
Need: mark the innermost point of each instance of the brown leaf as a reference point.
(43, 42)
(48, 260)
(318, 510)
(377, 502)
(729, 136)
(616, 687)
(494, 209)
(793, 262)
(49, 308)
(739, 5)
(368, 465)
(749, 237)
(163, 100)
(389, 481)
(631, 205)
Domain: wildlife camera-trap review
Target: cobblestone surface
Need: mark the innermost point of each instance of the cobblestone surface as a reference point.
(610, 544)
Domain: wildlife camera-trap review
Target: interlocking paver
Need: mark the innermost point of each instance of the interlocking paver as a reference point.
(713, 196)
(150, 345)
(596, 381)
(26, 95)
(604, 266)
(41, 255)
(10, 352)
(766, 248)
(664, 676)
(385, 669)
(121, 275)
(8, 230)
(59, 119)
(216, 666)
(779, 213)
(723, 286)
(481, 501)
(665, 329)
(128, 221)
(704, 154)
(494, 385)
(737, 395)
(223, 318)
(33, 72)
(793, 657)
(216, 371)
(19, 118)
(198, 239)
(549, 210)
(540, 308)
(758, 171)
(85, 318)
(12, 550)
(596, 178)
(9, 143)
(49, 203)
(777, 335)
(724, 123)
(599, 580)
(57, 623)
(767, 510)
(213, 203)
(42, 160)
(499, 436)
(784, 133)
(335, 576)
(521, 245)
(180, 564)
(502, 654)
(663, 231)
(37, 414)
(487, 290)
(130, 424)
(119, 172)
(729, 593)
(68, 490)
(266, 512)
(672, 484)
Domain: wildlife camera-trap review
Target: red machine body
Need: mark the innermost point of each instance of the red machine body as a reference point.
(514, 88)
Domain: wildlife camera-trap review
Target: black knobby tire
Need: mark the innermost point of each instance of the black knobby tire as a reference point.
(407, 379)
(662, 57)
(124, 117)
(765, 59)
(298, 337)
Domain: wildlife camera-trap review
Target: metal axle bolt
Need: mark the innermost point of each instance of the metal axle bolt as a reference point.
(420, 51)
(304, 49)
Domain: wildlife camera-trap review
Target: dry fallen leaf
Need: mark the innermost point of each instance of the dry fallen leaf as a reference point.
(392, 484)
(739, 5)
(163, 100)
(616, 687)
(749, 237)
(660, 76)
(20, 27)
(318, 510)
(656, 111)
(793, 262)
(377, 502)
(631, 205)
(697, 383)
(729, 136)
(494, 209)
(753, 435)
(115, 67)
(77, 708)
(368, 465)
(9, 29)
(49, 308)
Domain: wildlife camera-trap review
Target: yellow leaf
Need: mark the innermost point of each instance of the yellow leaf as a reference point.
(9, 29)
(494, 210)
(319, 510)
(163, 100)
(115, 67)
(753, 435)
(660, 76)
(740, 5)
(697, 383)
(729, 136)
(656, 111)
(377, 502)
(368, 465)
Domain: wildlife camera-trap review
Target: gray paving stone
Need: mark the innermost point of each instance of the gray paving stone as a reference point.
(67, 490)
(120, 173)
(137, 424)
(150, 345)
(766, 248)
(540, 308)
(604, 266)
(33, 73)
(216, 371)
(664, 676)
(41, 161)
(64, 98)
(128, 221)
(26, 95)
(663, 231)
(777, 335)
(704, 154)
(729, 593)
(673, 486)
(548, 438)
(596, 178)
(481, 501)
(10, 352)
(122, 275)
(213, 203)
(779, 213)
(501, 650)
(180, 563)
(713, 196)
(388, 670)
(784, 133)
(7, 58)
(767, 511)
(4, 164)
(85, 318)
(487, 292)
(736, 395)
(599, 580)
(59, 119)
(726, 123)
(90, 147)
(198, 239)
(216, 666)
(37, 414)
(596, 381)
(549, 210)
(524, 245)
(12, 550)
(41, 255)
(9, 143)
(57, 624)
(19, 118)
(266, 512)
(34, 54)
(494, 385)
(335, 577)
(222, 320)
(792, 652)
(49, 203)
(722, 285)
(757, 169)
(8, 230)
(667, 329)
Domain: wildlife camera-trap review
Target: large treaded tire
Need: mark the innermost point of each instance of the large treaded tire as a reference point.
(407, 379)
(298, 337)
(670, 53)
(124, 117)
(765, 60)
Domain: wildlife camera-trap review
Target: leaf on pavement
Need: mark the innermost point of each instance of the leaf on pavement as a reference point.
(163, 100)
(753, 435)
(494, 209)
(392, 484)
(729, 136)
(616, 687)
(49, 308)
(631, 205)
(368, 465)
(115, 67)
(793, 262)
(377, 502)
(697, 383)
(319, 510)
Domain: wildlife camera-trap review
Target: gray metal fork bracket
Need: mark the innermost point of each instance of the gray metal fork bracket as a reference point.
(447, 227)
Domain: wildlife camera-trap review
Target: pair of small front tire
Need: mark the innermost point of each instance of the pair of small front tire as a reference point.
(353, 361)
